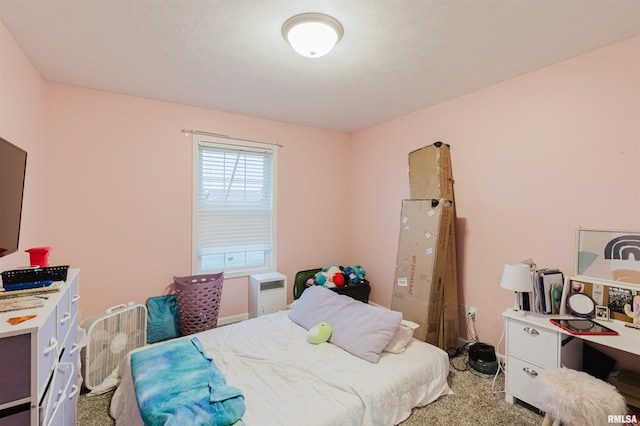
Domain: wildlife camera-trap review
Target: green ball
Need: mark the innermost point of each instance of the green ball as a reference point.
(319, 333)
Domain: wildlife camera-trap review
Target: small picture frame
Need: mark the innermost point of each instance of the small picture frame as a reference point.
(602, 313)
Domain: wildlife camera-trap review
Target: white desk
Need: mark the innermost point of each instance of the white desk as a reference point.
(533, 344)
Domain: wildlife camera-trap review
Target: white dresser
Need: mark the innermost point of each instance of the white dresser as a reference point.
(39, 361)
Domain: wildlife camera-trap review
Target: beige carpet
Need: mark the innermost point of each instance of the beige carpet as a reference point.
(476, 400)
(473, 402)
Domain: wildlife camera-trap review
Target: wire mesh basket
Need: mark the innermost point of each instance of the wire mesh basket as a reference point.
(19, 276)
(198, 299)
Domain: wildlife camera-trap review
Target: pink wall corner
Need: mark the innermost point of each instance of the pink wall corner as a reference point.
(533, 158)
(22, 122)
(123, 193)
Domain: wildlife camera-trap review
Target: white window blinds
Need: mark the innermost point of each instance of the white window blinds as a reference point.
(234, 207)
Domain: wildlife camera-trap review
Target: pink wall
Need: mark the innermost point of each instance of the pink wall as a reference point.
(124, 175)
(22, 122)
(109, 182)
(533, 158)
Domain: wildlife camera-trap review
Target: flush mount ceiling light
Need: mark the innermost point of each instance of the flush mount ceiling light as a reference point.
(312, 34)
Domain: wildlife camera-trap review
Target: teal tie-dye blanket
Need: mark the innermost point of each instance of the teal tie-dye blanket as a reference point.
(177, 384)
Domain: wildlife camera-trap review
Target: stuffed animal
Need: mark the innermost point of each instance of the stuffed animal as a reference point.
(320, 278)
(325, 276)
(319, 333)
(360, 271)
(354, 275)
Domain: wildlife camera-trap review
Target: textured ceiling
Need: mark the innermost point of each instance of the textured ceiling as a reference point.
(396, 56)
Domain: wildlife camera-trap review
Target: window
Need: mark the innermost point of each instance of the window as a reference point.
(233, 214)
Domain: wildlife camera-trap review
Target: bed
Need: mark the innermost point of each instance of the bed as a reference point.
(285, 380)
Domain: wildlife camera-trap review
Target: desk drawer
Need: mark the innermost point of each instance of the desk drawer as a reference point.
(521, 380)
(532, 343)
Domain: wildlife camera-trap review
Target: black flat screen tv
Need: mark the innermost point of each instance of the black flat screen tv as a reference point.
(13, 164)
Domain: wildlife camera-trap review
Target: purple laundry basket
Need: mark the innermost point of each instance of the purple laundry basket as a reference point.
(198, 299)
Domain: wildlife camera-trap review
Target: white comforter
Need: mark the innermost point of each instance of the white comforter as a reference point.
(287, 381)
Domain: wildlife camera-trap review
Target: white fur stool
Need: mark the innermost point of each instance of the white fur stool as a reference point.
(571, 397)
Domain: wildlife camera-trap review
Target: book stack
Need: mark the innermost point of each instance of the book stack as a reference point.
(548, 285)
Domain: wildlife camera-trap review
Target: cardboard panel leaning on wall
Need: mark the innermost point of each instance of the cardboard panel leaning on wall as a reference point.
(449, 329)
(430, 174)
(421, 266)
(431, 177)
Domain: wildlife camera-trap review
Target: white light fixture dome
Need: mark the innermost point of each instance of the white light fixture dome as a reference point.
(312, 34)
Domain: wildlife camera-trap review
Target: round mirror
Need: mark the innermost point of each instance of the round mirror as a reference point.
(581, 305)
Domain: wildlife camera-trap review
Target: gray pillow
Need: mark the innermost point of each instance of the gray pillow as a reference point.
(360, 329)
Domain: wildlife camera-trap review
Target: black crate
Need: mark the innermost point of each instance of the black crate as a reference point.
(355, 291)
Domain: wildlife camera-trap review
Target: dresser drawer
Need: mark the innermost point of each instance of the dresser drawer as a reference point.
(47, 350)
(74, 297)
(71, 405)
(64, 319)
(535, 344)
(62, 386)
(72, 347)
(521, 380)
(15, 367)
(17, 418)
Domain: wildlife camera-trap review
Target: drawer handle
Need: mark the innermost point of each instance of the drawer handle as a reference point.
(74, 391)
(74, 348)
(530, 371)
(532, 331)
(53, 343)
(66, 317)
(61, 397)
(75, 298)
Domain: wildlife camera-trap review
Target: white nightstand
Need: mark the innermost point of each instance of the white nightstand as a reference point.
(267, 293)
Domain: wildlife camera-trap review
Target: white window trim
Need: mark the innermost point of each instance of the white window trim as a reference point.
(234, 143)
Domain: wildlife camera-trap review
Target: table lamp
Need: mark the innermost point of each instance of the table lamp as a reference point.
(517, 278)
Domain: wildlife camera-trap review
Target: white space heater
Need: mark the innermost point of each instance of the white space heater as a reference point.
(110, 336)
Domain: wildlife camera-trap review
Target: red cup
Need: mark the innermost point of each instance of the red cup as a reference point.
(39, 256)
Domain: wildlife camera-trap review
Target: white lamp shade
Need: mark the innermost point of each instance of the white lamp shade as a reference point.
(517, 277)
(312, 34)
